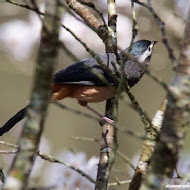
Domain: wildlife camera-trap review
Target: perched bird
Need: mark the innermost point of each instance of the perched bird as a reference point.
(82, 80)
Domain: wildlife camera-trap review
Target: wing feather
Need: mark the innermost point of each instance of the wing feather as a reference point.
(84, 73)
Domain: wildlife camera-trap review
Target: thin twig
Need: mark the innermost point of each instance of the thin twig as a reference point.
(134, 26)
(55, 160)
(8, 151)
(119, 183)
(126, 159)
(8, 144)
(86, 139)
(48, 158)
(146, 70)
(42, 188)
(119, 153)
(76, 111)
(162, 28)
(68, 52)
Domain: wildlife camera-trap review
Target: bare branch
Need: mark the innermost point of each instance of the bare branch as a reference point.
(36, 112)
(119, 153)
(119, 183)
(87, 16)
(175, 123)
(162, 28)
(76, 111)
(126, 159)
(54, 160)
(135, 26)
(109, 142)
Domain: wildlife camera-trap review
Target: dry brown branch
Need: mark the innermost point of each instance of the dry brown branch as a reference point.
(88, 17)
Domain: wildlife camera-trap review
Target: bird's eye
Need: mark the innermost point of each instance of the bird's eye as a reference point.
(149, 49)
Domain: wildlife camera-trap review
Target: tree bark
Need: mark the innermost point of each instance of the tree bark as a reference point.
(37, 110)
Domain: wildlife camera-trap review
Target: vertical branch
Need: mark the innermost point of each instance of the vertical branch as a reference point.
(148, 148)
(175, 123)
(109, 142)
(135, 26)
(36, 112)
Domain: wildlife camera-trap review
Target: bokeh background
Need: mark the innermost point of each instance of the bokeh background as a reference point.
(19, 39)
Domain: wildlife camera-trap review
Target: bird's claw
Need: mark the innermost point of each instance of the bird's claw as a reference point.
(106, 119)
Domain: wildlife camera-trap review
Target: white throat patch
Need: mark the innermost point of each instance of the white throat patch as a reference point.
(146, 53)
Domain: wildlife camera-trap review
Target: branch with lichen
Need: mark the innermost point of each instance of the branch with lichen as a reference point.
(148, 148)
(52, 159)
(37, 110)
(109, 143)
(175, 123)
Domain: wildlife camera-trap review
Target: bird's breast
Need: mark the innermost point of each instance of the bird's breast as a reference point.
(91, 93)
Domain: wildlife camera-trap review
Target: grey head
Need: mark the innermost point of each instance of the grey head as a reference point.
(142, 51)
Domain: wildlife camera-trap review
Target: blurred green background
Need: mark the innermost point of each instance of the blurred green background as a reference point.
(19, 38)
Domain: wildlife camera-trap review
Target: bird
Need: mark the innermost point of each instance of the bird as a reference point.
(82, 80)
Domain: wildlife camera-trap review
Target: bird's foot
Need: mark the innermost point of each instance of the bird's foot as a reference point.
(106, 119)
(110, 121)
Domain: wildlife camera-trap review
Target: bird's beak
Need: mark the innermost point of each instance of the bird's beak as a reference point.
(154, 42)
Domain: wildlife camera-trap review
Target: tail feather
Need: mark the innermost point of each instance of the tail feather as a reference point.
(11, 122)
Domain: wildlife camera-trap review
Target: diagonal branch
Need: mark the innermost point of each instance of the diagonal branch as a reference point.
(161, 24)
(55, 160)
(88, 17)
(148, 148)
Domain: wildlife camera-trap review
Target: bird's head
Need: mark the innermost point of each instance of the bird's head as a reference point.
(142, 50)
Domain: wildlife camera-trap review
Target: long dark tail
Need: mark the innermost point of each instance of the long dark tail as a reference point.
(11, 122)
